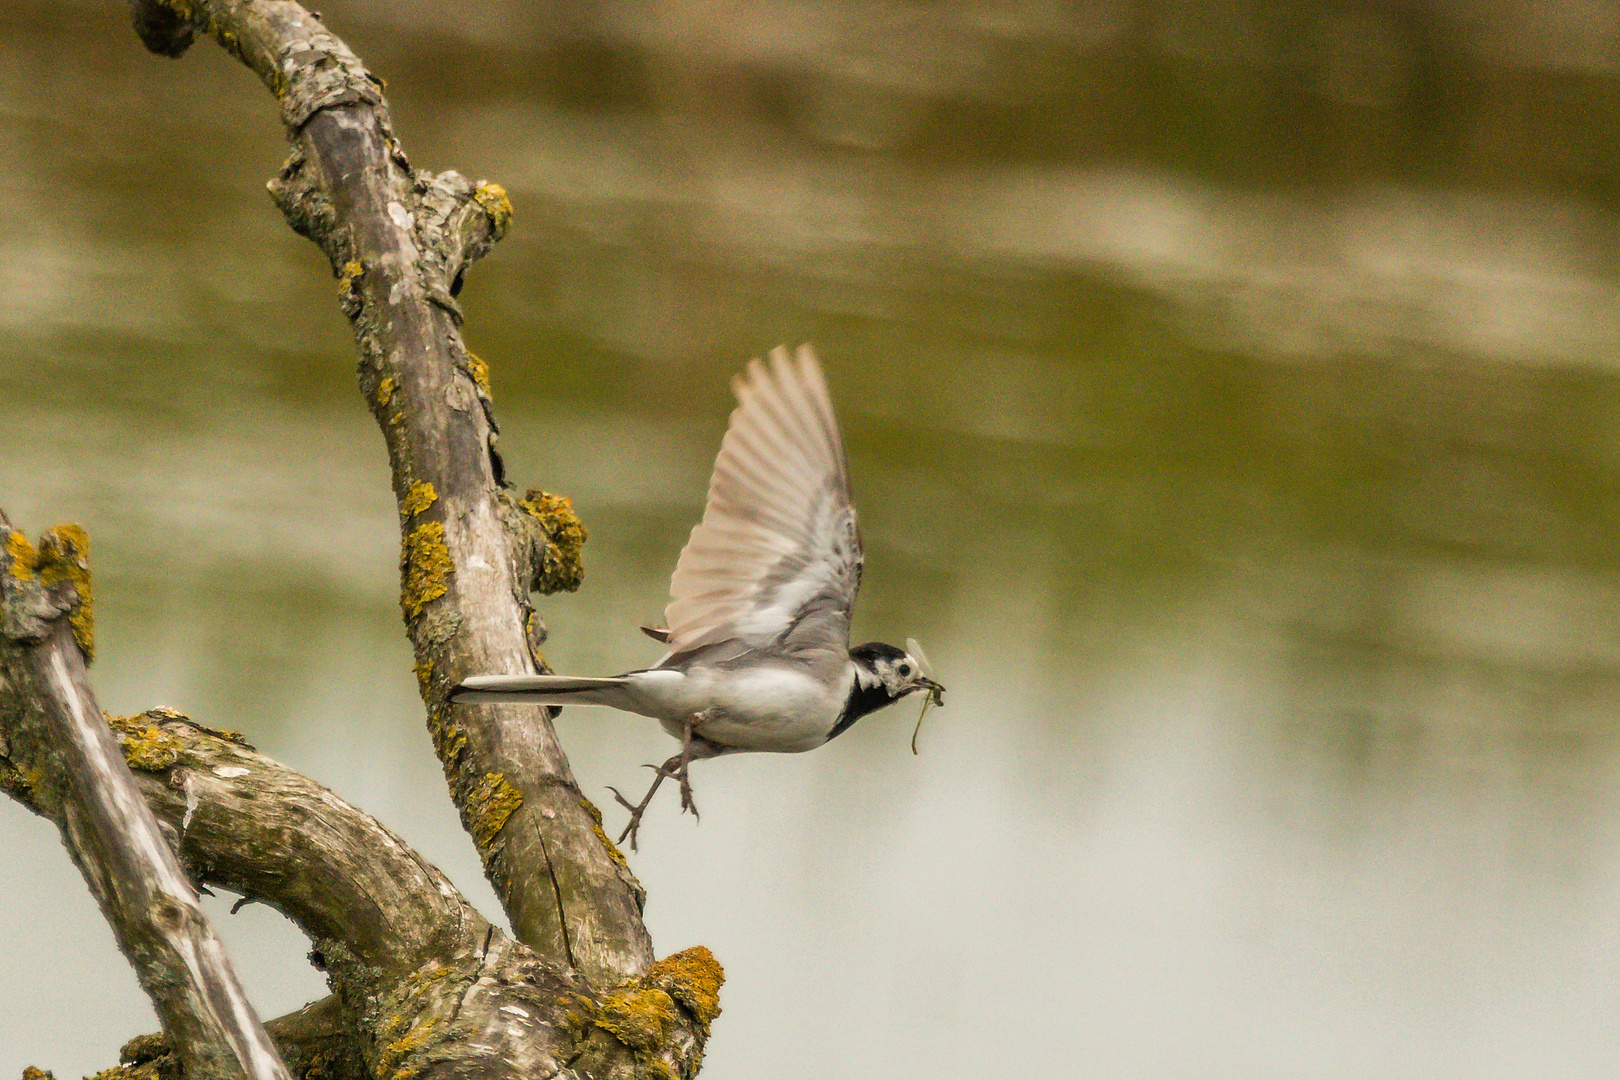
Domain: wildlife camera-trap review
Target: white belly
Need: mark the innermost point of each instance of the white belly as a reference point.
(778, 709)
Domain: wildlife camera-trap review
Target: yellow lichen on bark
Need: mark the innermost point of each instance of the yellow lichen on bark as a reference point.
(418, 498)
(601, 834)
(692, 977)
(479, 370)
(20, 782)
(423, 1035)
(489, 805)
(641, 1013)
(562, 562)
(22, 555)
(64, 555)
(146, 747)
(424, 568)
(449, 739)
(348, 276)
(638, 1016)
(494, 200)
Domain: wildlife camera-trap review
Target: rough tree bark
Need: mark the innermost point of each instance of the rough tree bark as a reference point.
(107, 828)
(424, 986)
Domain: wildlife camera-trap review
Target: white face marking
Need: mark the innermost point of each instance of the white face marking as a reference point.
(898, 676)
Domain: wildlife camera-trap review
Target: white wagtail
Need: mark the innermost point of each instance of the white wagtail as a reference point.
(758, 620)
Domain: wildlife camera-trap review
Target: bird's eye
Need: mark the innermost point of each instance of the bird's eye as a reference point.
(905, 669)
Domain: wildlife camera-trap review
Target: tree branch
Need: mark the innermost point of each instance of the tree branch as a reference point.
(427, 987)
(77, 771)
(399, 242)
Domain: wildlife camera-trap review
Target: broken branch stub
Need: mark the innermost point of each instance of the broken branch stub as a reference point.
(74, 767)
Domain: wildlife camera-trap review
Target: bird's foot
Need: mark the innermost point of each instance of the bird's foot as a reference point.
(671, 768)
(676, 768)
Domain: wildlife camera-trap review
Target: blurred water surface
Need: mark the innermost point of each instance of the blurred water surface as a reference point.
(1234, 414)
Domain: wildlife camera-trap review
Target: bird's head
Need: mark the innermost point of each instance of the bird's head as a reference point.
(896, 671)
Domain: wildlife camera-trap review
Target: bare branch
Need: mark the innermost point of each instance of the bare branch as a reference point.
(427, 987)
(316, 1042)
(108, 828)
(399, 242)
(254, 826)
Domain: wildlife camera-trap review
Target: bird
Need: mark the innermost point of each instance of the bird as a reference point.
(758, 621)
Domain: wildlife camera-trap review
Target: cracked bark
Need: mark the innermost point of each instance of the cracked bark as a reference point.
(107, 827)
(399, 241)
(424, 986)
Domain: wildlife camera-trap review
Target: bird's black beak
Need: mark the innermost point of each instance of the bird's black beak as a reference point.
(935, 690)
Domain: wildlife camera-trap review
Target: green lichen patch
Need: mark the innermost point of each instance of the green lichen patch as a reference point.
(143, 1048)
(385, 390)
(31, 1072)
(163, 712)
(64, 556)
(608, 845)
(489, 804)
(494, 200)
(147, 747)
(145, 1057)
(418, 498)
(559, 564)
(428, 976)
(536, 632)
(424, 568)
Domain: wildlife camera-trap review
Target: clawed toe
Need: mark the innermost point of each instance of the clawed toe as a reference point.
(675, 768)
(633, 826)
(687, 804)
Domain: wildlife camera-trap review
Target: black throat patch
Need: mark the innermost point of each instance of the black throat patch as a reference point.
(862, 700)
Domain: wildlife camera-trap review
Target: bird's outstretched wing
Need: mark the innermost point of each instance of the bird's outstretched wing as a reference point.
(776, 559)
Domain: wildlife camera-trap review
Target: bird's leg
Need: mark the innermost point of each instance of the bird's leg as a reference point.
(675, 767)
(681, 770)
(637, 809)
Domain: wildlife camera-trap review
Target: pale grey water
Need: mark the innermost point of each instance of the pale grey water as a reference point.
(1239, 429)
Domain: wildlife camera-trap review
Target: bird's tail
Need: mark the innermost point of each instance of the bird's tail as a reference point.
(542, 689)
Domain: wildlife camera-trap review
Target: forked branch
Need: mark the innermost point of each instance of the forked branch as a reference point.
(399, 242)
(425, 987)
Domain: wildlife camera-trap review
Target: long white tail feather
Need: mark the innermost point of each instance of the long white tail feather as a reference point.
(542, 689)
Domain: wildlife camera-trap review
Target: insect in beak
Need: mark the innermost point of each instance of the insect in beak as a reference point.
(935, 692)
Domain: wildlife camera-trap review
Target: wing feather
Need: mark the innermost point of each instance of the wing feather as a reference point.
(777, 556)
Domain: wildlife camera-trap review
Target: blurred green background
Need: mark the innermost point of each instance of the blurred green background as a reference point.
(1232, 398)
